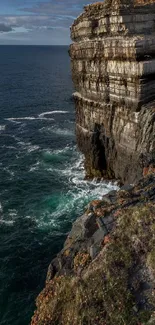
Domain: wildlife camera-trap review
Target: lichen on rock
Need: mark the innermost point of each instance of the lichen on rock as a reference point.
(115, 284)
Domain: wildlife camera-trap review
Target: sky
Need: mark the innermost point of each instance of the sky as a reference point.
(38, 22)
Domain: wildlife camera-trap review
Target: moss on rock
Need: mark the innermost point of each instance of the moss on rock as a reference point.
(106, 293)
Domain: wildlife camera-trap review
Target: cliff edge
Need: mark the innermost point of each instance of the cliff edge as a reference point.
(113, 69)
(105, 274)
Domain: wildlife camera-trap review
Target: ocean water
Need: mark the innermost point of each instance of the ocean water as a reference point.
(42, 186)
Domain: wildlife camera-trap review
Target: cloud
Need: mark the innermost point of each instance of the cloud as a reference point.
(36, 21)
(41, 20)
(58, 7)
(5, 28)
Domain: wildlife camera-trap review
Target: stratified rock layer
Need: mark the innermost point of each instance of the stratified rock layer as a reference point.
(113, 68)
(105, 274)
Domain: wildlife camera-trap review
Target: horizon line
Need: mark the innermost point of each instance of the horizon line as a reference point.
(34, 45)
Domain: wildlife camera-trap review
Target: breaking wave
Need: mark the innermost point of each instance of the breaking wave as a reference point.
(63, 207)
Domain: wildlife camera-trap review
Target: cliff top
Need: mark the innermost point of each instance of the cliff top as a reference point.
(119, 3)
(108, 6)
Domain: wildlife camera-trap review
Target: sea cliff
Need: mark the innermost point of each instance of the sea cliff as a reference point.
(105, 274)
(113, 68)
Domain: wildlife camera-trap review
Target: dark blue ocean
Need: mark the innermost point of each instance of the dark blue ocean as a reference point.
(42, 186)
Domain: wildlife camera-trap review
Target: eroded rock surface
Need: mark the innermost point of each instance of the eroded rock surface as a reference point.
(105, 273)
(113, 68)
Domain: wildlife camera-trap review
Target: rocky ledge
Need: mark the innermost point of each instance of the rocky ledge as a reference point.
(113, 69)
(105, 274)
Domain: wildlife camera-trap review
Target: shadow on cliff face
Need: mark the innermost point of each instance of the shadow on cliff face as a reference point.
(92, 144)
(98, 150)
(96, 164)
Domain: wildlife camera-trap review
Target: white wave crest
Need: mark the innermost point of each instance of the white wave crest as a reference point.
(9, 147)
(12, 213)
(25, 144)
(93, 189)
(71, 204)
(34, 167)
(7, 222)
(27, 118)
(10, 172)
(63, 132)
(1, 208)
(21, 118)
(28, 146)
(57, 152)
(80, 192)
(52, 112)
(45, 118)
(33, 148)
(58, 131)
(2, 127)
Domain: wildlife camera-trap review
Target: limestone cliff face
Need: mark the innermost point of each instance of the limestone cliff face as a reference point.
(113, 69)
(105, 274)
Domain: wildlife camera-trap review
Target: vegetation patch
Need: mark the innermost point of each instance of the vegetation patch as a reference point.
(107, 291)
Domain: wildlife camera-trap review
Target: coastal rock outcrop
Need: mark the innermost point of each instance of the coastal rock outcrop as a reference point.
(105, 274)
(113, 69)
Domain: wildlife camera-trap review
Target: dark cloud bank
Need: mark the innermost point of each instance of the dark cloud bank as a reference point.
(5, 28)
